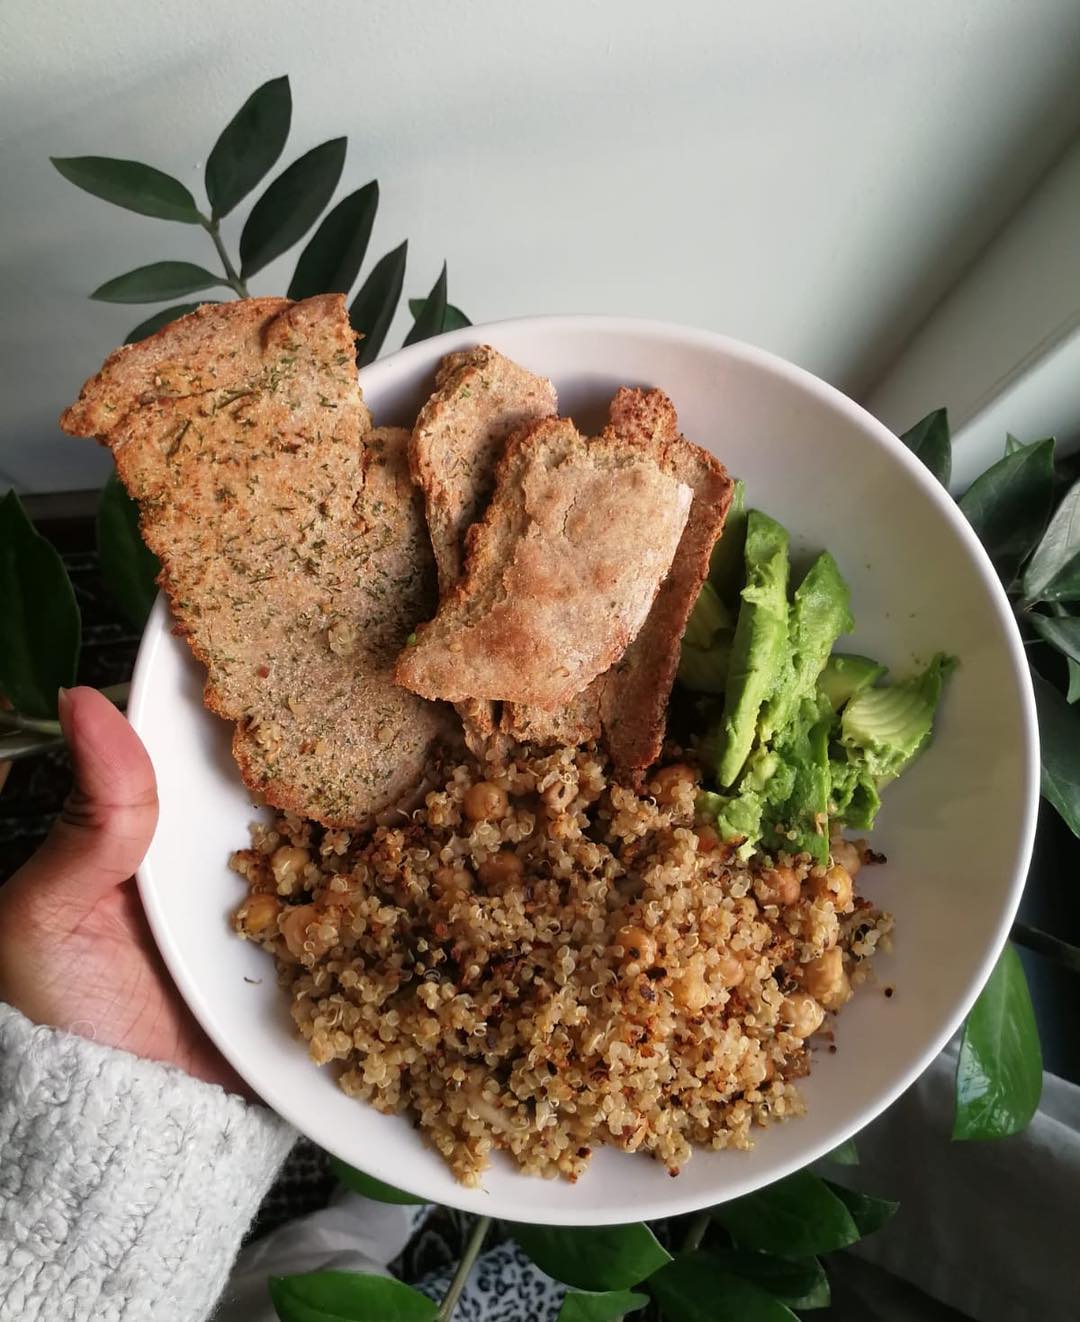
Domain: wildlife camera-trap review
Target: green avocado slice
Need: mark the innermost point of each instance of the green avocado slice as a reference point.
(846, 674)
(728, 559)
(760, 638)
(884, 728)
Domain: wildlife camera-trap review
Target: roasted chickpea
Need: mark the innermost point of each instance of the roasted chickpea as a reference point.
(287, 863)
(294, 924)
(730, 969)
(802, 1014)
(258, 914)
(689, 989)
(451, 884)
(502, 869)
(778, 886)
(707, 838)
(485, 802)
(825, 979)
(846, 854)
(668, 781)
(835, 885)
(638, 946)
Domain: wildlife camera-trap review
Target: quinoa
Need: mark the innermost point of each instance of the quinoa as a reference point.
(539, 960)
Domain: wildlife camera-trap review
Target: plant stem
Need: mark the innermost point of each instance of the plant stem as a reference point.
(696, 1233)
(213, 228)
(472, 1252)
(1061, 952)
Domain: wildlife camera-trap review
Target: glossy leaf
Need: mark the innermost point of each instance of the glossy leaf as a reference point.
(39, 638)
(128, 566)
(868, 1213)
(374, 306)
(454, 319)
(697, 1288)
(291, 205)
(249, 146)
(847, 1154)
(1054, 571)
(999, 1073)
(1059, 747)
(593, 1258)
(799, 1216)
(369, 1186)
(131, 185)
(348, 1297)
(1009, 504)
(608, 1306)
(333, 256)
(1073, 695)
(432, 314)
(930, 440)
(162, 318)
(1012, 444)
(159, 280)
(1062, 633)
(797, 1282)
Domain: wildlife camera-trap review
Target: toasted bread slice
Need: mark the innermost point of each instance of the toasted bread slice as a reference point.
(560, 573)
(634, 694)
(480, 398)
(292, 543)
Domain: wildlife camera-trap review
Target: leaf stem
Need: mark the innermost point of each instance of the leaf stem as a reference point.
(468, 1258)
(1061, 952)
(232, 276)
(696, 1233)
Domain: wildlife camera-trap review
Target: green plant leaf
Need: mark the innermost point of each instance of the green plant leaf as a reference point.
(131, 185)
(931, 441)
(868, 1213)
(608, 1306)
(333, 256)
(593, 1258)
(159, 280)
(1061, 632)
(1012, 444)
(847, 1154)
(797, 1282)
(1053, 574)
(348, 1297)
(999, 1073)
(454, 319)
(291, 205)
(432, 314)
(1073, 694)
(249, 146)
(162, 318)
(39, 642)
(800, 1216)
(128, 566)
(374, 306)
(1009, 504)
(369, 1186)
(1059, 747)
(696, 1287)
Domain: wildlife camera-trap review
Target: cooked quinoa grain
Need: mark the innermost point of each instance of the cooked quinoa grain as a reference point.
(540, 960)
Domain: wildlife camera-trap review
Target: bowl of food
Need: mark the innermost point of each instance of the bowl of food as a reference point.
(590, 836)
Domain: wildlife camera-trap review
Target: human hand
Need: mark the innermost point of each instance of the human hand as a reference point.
(75, 948)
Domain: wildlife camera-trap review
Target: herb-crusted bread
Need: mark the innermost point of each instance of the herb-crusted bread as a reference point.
(560, 572)
(292, 543)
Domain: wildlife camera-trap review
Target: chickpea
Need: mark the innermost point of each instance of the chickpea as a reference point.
(731, 970)
(802, 1014)
(287, 864)
(689, 989)
(451, 884)
(294, 924)
(777, 886)
(258, 914)
(834, 885)
(485, 802)
(707, 839)
(637, 945)
(502, 869)
(846, 854)
(668, 781)
(826, 980)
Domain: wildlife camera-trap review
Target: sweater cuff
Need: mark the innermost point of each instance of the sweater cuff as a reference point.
(125, 1185)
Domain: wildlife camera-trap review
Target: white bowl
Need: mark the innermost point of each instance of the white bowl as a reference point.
(957, 828)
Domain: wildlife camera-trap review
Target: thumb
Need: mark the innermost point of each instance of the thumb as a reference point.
(108, 819)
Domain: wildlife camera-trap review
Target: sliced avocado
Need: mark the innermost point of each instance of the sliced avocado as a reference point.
(819, 615)
(760, 639)
(854, 796)
(798, 821)
(709, 618)
(727, 566)
(846, 674)
(886, 727)
(704, 670)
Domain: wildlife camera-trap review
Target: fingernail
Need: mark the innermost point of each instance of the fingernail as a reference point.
(63, 708)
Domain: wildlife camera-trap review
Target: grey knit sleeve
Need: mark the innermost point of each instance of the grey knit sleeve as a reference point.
(125, 1186)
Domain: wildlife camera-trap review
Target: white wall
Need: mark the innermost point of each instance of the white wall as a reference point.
(809, 176)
